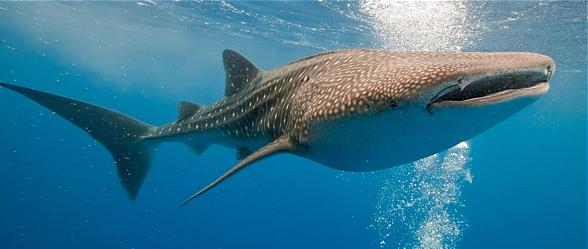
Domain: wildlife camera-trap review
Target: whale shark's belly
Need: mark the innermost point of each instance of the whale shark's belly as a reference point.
(381, 141)
(366, 144)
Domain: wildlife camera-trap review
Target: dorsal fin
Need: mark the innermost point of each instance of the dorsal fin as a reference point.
(239, 72)
(187, 109)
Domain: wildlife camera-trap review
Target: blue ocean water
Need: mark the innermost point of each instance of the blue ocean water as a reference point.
(521, 184)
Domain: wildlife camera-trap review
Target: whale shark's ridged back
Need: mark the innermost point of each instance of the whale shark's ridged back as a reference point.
(120, 134)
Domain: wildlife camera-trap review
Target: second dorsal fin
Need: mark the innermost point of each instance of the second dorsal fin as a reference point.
(239, 72)
(187, 109)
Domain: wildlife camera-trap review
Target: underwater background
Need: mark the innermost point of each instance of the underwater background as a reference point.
(521, 184)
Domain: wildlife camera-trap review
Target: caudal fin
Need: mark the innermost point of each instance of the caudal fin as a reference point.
(120, 134)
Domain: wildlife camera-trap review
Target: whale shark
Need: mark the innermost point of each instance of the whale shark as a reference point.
(351, 110)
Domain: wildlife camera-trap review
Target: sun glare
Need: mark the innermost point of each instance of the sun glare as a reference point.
(427, 25)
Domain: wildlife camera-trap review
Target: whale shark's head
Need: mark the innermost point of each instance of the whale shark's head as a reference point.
(401, 107)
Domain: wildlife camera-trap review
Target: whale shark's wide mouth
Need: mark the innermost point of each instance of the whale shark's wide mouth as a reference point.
(493, 89)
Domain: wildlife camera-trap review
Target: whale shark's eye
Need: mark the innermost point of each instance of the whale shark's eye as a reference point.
(393, 104)
(460, 80)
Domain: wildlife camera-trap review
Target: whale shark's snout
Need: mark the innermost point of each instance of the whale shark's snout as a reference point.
(528, 78)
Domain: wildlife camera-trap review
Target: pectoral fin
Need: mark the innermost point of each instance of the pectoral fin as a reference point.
(282, 144)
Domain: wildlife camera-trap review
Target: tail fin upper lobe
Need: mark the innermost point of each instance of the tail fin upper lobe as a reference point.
(120, 134)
